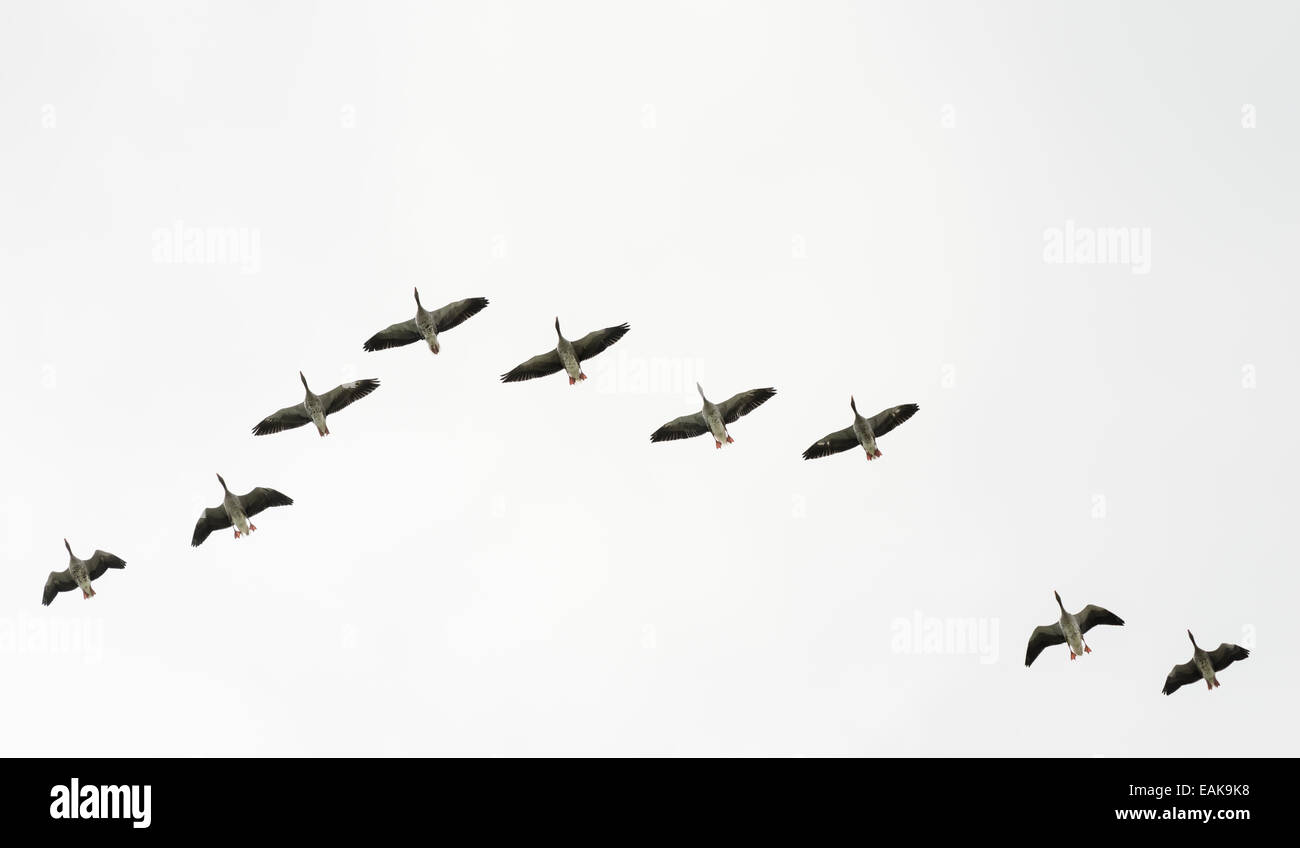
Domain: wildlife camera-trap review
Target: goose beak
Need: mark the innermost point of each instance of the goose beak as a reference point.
(1190, 636)
(66, 545)
(304, 379)
(853, 404)
(557, 324)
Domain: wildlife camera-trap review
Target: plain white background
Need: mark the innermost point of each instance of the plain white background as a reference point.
(829, 198)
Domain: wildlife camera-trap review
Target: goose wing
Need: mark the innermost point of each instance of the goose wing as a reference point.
(840, 440)
(456, 313)
(58, 581)
(403, 333)
(743, 404)
(685, 427)
(341, 396)
(1180, 676)
(213, 518)
(595, 342)
(539, 366)
(286, 419)
(260, 499)
(885, 421)
(101, 561)
(1092, 615)
(1044, 636)
(1227, 654)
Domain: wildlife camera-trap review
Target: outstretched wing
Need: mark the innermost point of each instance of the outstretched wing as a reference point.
(58, 581)
(260, 499)
(840, 440)
(1227, 654)
(594, 342)
(685, 427)
(1092, 615)
(539, 366)
(743, 404)
(891, 418)
(101, 561)
(403, 333)
(454, 314)
(341, 396)
(1044, 636)
(1180, 676)
(213, 518)
(285, 419)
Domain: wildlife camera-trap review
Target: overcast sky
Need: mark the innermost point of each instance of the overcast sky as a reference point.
(829, 198)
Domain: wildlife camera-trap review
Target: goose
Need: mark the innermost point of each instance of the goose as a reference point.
(1069, 629)
(713, 418)
(79, 573)
(426, 325)
(236, 510)
(863, 431)
(567, 355)
(315, 407)
(1202, 666)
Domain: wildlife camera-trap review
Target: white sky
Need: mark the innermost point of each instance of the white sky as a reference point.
(827, 198)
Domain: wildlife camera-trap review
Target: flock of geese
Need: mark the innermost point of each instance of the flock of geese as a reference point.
(237, 511)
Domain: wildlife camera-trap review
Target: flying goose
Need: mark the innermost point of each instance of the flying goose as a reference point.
(713, 418)
(236, 510)
(1202, 666)
(315, 407)
(863, 431)
(79, 573)
(426, 325)
(1069, 629)
(567, 355)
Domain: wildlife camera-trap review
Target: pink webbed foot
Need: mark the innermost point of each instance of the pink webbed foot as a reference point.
(717, 444)
(1209, 685)
(236, 534)
(1087, 650)
(581, 376)
(730, 440)
(1073, 655)
(252, 527)
(572, 381)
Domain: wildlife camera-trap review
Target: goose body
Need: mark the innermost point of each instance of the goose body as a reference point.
(567, 356)
(1203, 665)
(427, 324)
(79, 573)
(1069, 629)
(713, 418)
(236, 510)
(863, 432)
(315, 408)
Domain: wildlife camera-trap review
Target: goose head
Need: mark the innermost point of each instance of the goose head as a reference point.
(223, 482)
(700, 389)
(417, 296)
(853, 404)
(304, 381)
(1058, 600)
(557, 327)
(69, 547)
(1193, 638)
